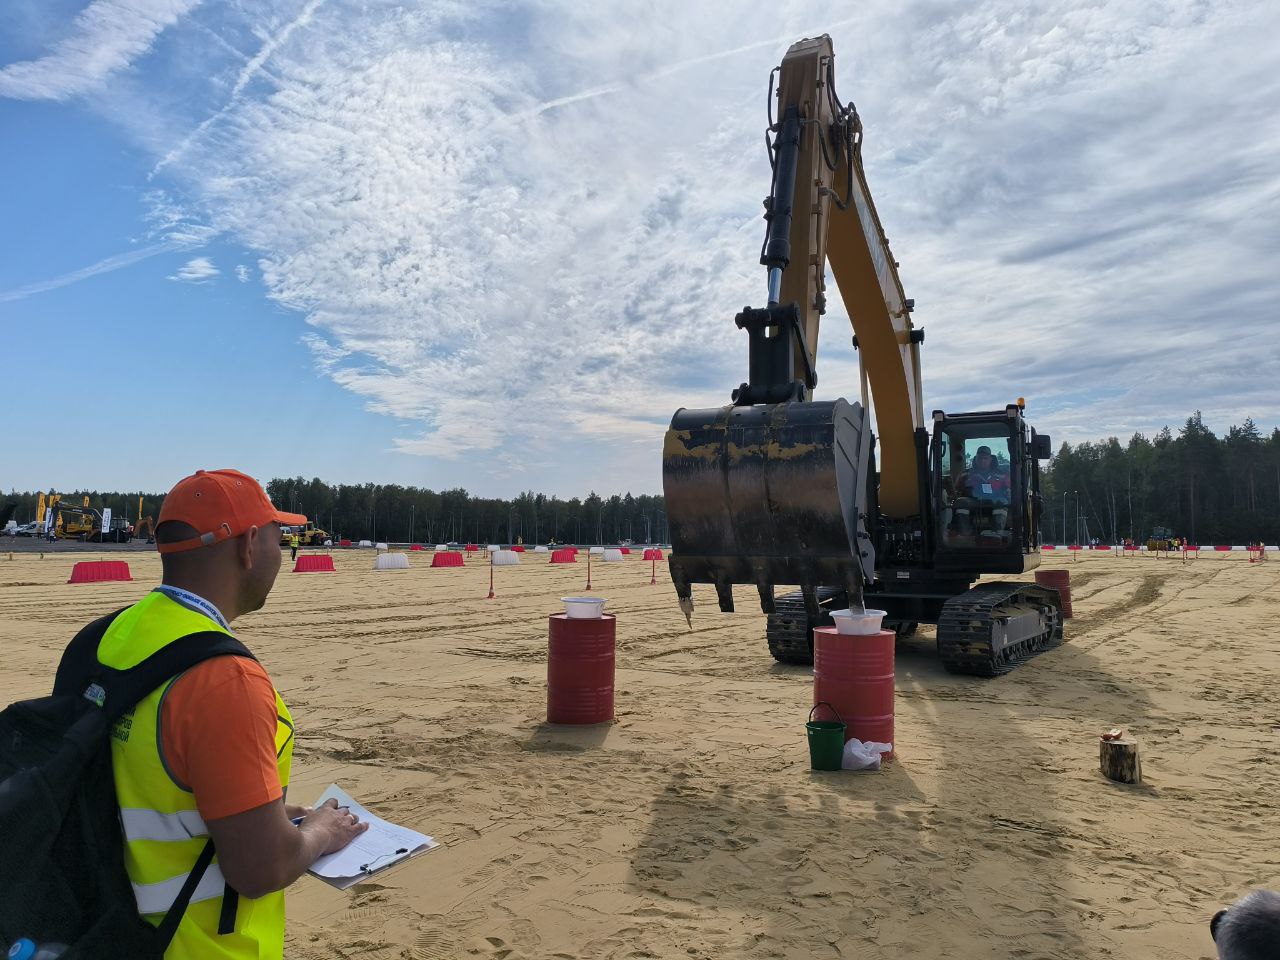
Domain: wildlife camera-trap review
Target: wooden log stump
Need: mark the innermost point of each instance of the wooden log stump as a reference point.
(1118, 758)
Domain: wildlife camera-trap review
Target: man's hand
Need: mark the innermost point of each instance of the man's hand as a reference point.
(295, 812)
(332, 826)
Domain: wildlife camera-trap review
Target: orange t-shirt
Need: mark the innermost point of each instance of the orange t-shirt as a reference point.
(218, 736)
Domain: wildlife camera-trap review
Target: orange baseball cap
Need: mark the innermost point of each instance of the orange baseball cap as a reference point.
(220, 504)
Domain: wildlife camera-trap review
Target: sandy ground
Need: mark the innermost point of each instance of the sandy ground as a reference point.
(692, 827)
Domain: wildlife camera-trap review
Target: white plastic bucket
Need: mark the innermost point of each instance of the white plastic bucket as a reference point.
(583, 608)
(856, 622)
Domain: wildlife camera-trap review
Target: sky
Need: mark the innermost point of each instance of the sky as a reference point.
(496, 245)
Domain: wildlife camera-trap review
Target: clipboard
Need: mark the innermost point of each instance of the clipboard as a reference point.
(382, 846)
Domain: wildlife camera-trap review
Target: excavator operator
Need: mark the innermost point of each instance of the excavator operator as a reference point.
(984, 496)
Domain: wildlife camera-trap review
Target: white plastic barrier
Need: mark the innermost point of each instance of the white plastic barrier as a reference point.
(442, 546)
(391, 561)
(380, 545)
(539, 549)
(493, 548)
(597, 551)
(366, 543)
(505, 558)
(612, 556)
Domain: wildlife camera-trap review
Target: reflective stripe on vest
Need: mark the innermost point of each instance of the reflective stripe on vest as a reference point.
(164, 833)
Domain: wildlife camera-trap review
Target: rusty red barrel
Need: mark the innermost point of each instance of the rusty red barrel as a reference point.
(1059, 580)
(855, 675)
(580, 660)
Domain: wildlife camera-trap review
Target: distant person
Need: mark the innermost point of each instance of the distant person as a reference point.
(293, 545)
(208, 754)
(1249, 929)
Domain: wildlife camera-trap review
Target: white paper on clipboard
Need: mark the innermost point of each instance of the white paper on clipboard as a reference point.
(383, 845)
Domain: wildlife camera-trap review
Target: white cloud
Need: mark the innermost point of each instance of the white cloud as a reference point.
(524, 231)
(242, 273)
(196, 270)
(106, 36)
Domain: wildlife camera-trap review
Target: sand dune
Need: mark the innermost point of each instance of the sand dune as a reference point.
(692, 827)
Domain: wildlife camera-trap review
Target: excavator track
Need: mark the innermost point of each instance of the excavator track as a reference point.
(789, 630)
(989, 630)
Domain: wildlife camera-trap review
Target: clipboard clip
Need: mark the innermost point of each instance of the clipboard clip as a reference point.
(368, 868)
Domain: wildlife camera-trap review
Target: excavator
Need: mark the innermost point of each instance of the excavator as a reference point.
(780, 488)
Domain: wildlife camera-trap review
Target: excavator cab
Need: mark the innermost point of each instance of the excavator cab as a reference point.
(986, 491)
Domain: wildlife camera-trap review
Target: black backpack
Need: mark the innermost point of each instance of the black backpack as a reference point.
(62, 872)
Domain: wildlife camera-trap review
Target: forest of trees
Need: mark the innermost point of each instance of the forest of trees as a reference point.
(1205, 488)
(1201, 487)
(411, 514)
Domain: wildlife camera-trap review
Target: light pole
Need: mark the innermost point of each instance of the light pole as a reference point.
(413, 510)
(1064, 515)
(1077, 496)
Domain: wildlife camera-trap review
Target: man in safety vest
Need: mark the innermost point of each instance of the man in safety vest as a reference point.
(207, 754)
(293, 545)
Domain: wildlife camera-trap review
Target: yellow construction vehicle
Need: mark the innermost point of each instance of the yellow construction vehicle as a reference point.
(780, 488)
(78, 522)
(308, 536)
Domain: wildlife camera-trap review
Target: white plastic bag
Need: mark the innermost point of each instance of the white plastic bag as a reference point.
(863, 756)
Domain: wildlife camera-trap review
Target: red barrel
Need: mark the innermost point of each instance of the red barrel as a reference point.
(1059, 580)
(855, 675)
(580, 659)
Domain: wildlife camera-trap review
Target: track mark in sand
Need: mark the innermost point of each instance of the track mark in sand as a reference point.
(433, 943)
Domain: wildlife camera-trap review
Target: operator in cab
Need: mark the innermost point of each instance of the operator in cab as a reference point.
(985, 480)
(982, 507)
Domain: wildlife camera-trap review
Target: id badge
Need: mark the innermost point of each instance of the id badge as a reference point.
(986, 488)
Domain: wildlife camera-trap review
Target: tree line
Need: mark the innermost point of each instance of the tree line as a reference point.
(1192, 484)
(405, 514)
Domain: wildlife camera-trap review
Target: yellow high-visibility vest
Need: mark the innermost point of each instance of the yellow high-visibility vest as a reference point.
(163, 830)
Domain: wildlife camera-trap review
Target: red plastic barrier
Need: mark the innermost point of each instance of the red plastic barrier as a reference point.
(1048, 546)
(518, 548)
(653, 553)
(447, 558)
(855, 675)
(626, 551)
(99, 571)
(471, 548)
(1226, 549)
(1100, 546)
(1075, 546)
(417, 546)
(580, 661)
(344, 543)
(314, 563)
(563, 556)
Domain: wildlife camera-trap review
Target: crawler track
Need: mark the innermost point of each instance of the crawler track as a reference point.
(989, 630)
(790, 633)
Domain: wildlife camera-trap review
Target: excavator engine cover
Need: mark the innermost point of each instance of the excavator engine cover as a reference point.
(768, 494)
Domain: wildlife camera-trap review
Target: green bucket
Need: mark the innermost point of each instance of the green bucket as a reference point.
(826, 740)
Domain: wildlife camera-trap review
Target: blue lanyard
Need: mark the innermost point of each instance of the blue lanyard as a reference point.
(194, 602)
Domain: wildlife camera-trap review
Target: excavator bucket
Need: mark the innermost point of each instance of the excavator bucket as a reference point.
(765, 495)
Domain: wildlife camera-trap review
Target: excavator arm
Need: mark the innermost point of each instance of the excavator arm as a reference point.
(773, 488)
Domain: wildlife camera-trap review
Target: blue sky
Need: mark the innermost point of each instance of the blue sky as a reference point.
(496, 245)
